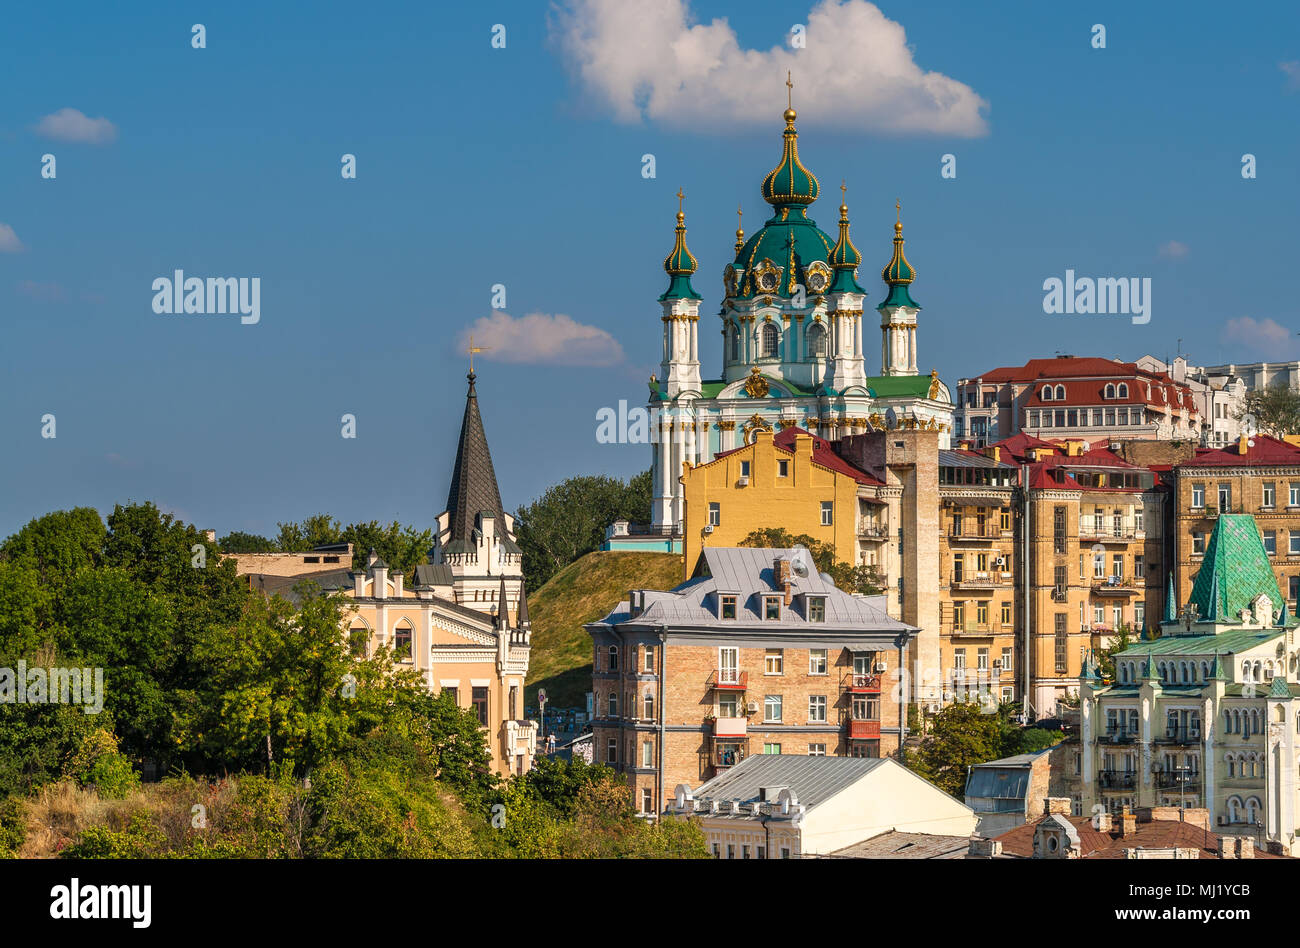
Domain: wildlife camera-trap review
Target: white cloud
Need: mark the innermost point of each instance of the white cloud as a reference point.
(1264, 335)
(1292, 70)
(648, 60)
(1173, 249)
(9, 242)
(540, 338)
(69, 125)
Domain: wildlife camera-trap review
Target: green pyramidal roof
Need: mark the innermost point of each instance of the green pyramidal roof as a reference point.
(1235, 570)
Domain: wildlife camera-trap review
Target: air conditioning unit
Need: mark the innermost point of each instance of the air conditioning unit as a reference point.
(1223, 821)
(1001, 561)
(752, 707)
(882, 666)
(742, 481)
(708, 528)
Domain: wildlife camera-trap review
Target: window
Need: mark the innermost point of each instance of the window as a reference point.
(1110, 390)
(771, 607)
(814, 750)
(772, 711)
(1270, 494)
(402, 643)
(1139, 520)
(647, 800)
(1139, 616)
(1225, 498)
(761, 852)
(1293, 547)
(455, 695)
(514, 702)
(1139, 566)
(817, 661)
(715, 514)
(613, 658)
(982, 660)
(735, 344)
(731, 851)
(816, 709)
(728, 607)
(1005, 521)
(1008, 662)
(647, 754)
(612, 703)
(1006, 613)
(479, 697)
(649, 665)
(816, 341)
(1058, 528)
(981, 614)
(785, 852)
(1198, 543)
(1117, 565)
(744, 852)
(729, 665)
(958, 614)
(744, 469)
(1061, 643)
(817, 613)
(649, 706)
(1099, 565)
(1123, 390)
(1293, 591)
(1293, 495)
(783, 468)
(1198, 496)
(1099, 615)
(768, 341)
(359, 638)
(774, 662)
(828, 513)
(1270, 542)
(1033, 419)
(611, 751)
(771, 748)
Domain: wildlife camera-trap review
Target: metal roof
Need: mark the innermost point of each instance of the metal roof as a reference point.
(970, 459)
(813, 779)
(896, 845)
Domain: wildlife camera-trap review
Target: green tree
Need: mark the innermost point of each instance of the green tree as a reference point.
(864, 580)
(569, 520)
(960, 736)
(58, 544)
(1106, 656)
(1275, 409)
(241, 542)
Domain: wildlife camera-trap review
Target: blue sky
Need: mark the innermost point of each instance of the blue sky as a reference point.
(522, 166)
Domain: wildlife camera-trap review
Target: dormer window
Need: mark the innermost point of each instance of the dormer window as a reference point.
(1047, 393)
(772, 607)
(726, 607)
(1110, 390)
(816, 608)
(1123, 390)
(1060, 393)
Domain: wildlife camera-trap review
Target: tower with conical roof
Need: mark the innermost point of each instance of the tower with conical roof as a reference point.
(845, 298)
(897, 310)
(681, 315)
(475, 536)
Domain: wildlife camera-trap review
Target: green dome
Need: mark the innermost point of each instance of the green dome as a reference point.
(791, 241)
(680, 263)
(790, 182)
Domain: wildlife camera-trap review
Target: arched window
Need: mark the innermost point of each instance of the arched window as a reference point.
(1183, 668)
(1047, 393)
(1123, 673)
(1230, 761)
(1060, 393)
(1234, 804)
(768, 337)
(649, 707)
(402, 641)
(1205, 671)
(613, 704)
(1252, 809)
(1254, 720)
(613, 658)
(817, 341)
(1123, 390)
(1259, 671)
(359, 638)
(1110, 390)
(735, 344)
(1227, 721)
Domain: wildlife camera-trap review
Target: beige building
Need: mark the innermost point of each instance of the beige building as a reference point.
(461, 621)
(787, 807)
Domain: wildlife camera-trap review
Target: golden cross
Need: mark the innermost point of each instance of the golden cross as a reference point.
(789, 90)
(898, 206)
(473, 349)
(843, 190)
(740, 215)
(680, 195)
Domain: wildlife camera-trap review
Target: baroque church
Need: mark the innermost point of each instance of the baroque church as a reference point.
(793, 341)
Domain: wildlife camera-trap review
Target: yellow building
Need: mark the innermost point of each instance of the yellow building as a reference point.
(462, 621)
(792, 480)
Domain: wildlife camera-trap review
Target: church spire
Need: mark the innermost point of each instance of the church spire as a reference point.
(473, 480)
(898, 273)
(680, 262)
(790, 183)
(844, 257)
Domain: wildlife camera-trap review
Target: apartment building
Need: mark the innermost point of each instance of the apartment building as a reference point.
(1260, 477)
(1220, 396)
(1205, 715)
(1075, 397)
(755, 654)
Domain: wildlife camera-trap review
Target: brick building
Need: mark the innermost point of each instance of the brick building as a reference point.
(756, 654)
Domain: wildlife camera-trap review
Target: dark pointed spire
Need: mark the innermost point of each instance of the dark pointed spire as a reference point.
(473, 479)
(1171, 608)
(521, 618)
(503, 607)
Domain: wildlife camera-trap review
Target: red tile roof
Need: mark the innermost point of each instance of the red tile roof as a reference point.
(1266, 450)
(822, 454)
(1154, 834)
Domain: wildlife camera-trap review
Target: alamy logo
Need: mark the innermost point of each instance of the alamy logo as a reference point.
(1120, 296)
(134, 902)
(83, 686)
(180, 294)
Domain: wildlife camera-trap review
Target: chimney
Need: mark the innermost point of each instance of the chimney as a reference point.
(1127, 823)
(1056, 806)
(210, 535)
(980, 848)
(994, 452)
(397, 585)
(1103, 822)
(781, 578)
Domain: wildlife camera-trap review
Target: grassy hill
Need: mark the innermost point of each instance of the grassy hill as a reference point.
(585, 590)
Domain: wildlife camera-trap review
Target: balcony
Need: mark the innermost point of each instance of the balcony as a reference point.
(1116, 779)
(1185, 780)
(1110, 534)
(860, 683)
(864, 730)
(727, 679)
(727, 753)
(1119, 735)
(730, 727)
(1060, 594)
(974, 533)
(1179, 735)
(873, 531)
(971, 627)
(1116, 586)
(978, 580)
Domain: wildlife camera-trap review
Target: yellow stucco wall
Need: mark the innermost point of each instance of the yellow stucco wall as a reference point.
(792, 502)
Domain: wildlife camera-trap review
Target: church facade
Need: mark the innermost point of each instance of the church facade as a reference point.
(792, 323)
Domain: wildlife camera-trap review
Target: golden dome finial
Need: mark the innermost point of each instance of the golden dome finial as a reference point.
(680, 197)
(740, 230)
(898, 224)
(789, 99)
(844, 198)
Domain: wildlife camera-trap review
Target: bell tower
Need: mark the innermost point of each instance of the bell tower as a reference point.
(898, 311)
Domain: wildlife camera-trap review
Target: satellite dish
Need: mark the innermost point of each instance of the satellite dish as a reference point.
(801, 562)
